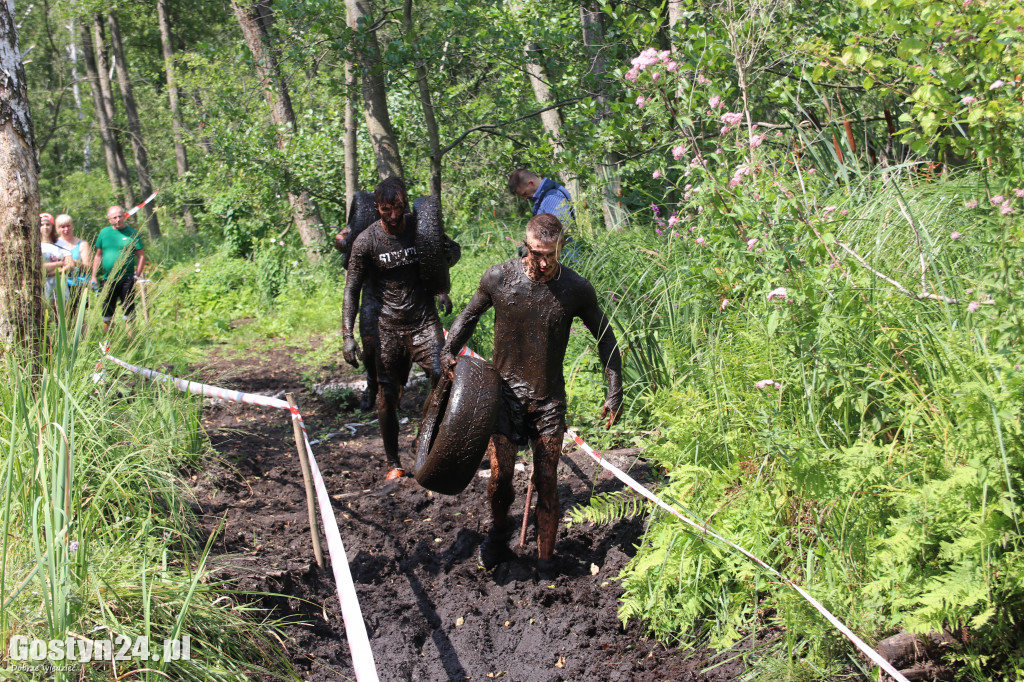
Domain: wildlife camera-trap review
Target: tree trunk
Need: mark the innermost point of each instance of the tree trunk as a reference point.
(551, 119)
(72, 49)
(180, 157)
(134, 125)
(107, 96)
(351, 132)
(21, 269)
(375, 101)
(433, 136)
(254, 18)
(106, 135)
(607, 170)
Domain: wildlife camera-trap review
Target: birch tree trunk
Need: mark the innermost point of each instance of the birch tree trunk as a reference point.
(551, 119)
(72, 50)
(21, 268)
(433, 136)
(180, 156)
(351, 132)
(254, 18)
(375, 101)
(102, 122)
(607, 170)
(134, 125)
(107, 96)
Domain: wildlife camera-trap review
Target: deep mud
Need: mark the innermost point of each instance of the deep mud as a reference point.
(431, 613)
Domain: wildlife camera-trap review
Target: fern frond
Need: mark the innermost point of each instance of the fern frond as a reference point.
(608, 508)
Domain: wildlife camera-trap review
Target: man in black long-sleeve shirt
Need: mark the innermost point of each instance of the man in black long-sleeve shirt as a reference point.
(535, 300)
(408, 325)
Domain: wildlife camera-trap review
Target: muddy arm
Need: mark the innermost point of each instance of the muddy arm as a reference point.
(607, 347)
(466, 322)
(354, 277)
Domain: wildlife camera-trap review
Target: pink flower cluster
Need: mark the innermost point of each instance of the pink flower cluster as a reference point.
(768, 383)
(973, 203)
(702, 79)
(968, 100)
(779, 293)
(756, 140)
(650, 57)
(678, 151)
(751, 243)
(700, 241)
(737, 175)
(997, 199)
(973, 307)
(1018, 192)
(716, 102)
(732, 118)
(956, 236)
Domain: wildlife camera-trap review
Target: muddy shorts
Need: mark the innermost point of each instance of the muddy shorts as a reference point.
(400, 348)
(521, 421)
(123, 292)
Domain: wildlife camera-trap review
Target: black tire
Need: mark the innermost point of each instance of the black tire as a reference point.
(431, 245)
(457, 425)
(361, 214)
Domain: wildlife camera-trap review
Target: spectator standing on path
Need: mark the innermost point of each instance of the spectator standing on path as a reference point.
(384, 256)
(545, 195)
(57, 261)
(119, 252)
(80, 254)
(535, 299)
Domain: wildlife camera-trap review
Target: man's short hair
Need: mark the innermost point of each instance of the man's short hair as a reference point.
(519, 178)
(546, 227)
(111, 208)
(391, 190)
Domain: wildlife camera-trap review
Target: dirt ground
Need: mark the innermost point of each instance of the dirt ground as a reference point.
(430, 611)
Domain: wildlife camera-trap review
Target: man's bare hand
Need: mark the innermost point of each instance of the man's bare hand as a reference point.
(351, 352)
(448, 362)
(610, 415)
(445, 302)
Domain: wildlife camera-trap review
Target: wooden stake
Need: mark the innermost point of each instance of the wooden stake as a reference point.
(526, 512)
(307, 478)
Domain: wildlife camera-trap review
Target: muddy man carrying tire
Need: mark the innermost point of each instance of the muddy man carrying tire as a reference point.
(388, 257)
(535, 299)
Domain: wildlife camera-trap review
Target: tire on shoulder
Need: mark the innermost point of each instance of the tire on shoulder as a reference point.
(430, 244)
(361, 214)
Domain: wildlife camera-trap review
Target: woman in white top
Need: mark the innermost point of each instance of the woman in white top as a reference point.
(79, 250)
(57, 261)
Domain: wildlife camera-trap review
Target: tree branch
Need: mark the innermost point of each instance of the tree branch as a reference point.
(491, 127)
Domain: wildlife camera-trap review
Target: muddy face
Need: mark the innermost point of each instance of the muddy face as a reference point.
(392, 216)
(541, 262)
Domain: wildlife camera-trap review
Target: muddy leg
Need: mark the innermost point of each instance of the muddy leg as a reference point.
(499, 487)
(370, 344)
(494, 549)
(546, 452)
(387, 416)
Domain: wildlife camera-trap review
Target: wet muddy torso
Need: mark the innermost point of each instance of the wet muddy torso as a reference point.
(390, 270)
(532, 322)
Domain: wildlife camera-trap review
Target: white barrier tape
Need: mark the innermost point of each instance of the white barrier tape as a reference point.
(133, 211)
(631, 482)
(355, 629)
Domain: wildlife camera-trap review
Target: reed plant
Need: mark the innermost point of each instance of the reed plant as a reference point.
(98, 534)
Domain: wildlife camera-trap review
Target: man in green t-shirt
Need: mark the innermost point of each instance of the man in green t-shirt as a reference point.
(119, 252)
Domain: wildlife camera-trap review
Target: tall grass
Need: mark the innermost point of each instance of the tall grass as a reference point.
(884, 472)
(98, 537)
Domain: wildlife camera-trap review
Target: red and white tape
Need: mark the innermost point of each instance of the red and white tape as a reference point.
(632, 483)
(466, 350)
(133, 211)
(355, 629)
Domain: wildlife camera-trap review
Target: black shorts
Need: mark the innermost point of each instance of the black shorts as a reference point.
(524, 420)
(123, 292)
(400, 348)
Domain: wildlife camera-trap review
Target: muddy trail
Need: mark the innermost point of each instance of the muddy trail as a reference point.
(430, 611)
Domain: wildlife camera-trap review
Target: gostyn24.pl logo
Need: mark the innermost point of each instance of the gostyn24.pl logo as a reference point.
(23, 648)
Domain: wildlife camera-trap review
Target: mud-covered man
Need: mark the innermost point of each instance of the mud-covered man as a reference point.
(409, 330)
(535, 299)
(369, 311)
